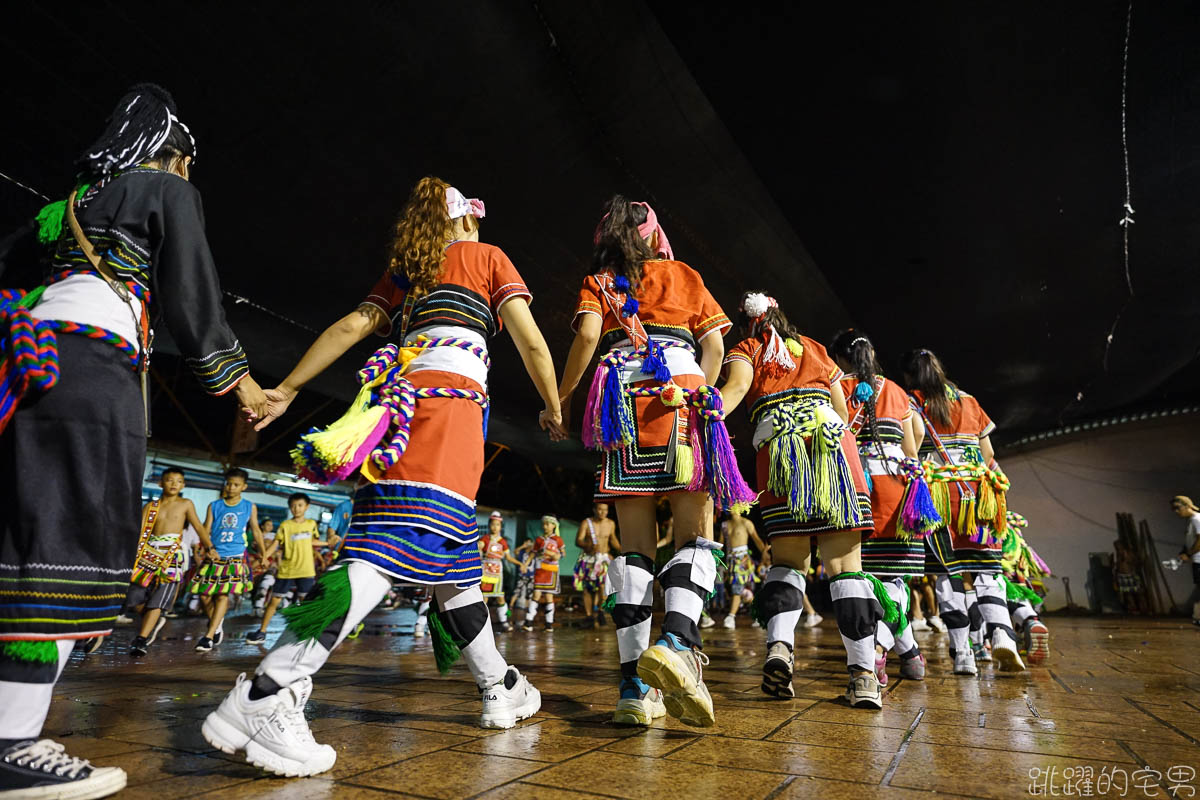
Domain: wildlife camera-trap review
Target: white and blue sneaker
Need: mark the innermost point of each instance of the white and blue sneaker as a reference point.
(639, 704)
(678, 672)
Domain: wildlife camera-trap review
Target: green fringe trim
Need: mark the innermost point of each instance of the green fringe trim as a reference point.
(31, 652)
(1016, 592)
(330, 601)
(610, 603)
(891, 611)
(756, 613)
(446, 649)
(50, 218)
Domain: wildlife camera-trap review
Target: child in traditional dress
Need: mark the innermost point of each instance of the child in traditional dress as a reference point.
(227, 573)
(75, 453)
(654, 413)
(297, 540)
(812, 484)
(737, 532)
(888, 436)
(546, 554)
(495, 550)
(597, 538)
(442, 297)
(968, 492)
(160, 563)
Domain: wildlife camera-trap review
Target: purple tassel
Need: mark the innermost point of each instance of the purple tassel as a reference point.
(725, 483)
(694, 439)
(370, 443)
(591, 412)
(655, 362)
(918, 514)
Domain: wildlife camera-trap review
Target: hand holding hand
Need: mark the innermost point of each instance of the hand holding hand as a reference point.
(278, 400)
(251, 398)
(550, 421)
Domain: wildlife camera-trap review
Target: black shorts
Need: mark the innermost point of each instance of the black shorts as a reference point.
(159, 594)
(287, 586)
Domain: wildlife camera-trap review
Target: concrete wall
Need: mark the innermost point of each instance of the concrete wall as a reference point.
(1071, 492)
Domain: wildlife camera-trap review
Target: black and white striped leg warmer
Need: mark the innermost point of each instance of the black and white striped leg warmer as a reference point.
(903, 644)
(687, 580)
(994, 607)
(531, 609)
(858, 613)
(1022, 613)
(952, 608)
(26, 689)
(550, 612)
(781, 604)
(465, 615)
(631, 579)
(974, 616)
(291, 659)
(501, 612)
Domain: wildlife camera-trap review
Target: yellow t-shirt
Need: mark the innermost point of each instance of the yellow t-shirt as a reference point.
(296, 539)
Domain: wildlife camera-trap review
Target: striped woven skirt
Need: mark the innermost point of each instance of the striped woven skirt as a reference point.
(777, 517)
(417, 523)
(949, 552)
(222, 576)
(71, 465)
(647, 466)
(546, 577)
(884, 555)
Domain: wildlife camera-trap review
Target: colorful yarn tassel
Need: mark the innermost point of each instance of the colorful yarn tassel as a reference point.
(725, 483)
(655, 362)
(616, 412)
(918, 514)
(685, 463)
(1017, 592)
(446, 649)
(333, 454)
(791, 474)
(591, 412)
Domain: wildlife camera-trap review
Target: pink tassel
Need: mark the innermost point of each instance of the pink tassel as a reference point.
(698, 472)
(364, 450)
(591, 412)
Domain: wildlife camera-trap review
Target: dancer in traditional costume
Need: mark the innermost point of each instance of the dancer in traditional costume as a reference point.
(812, 484)
(736, 534)
(415, 436)
(969, 496)
(546, 554)
(888, 436)
(654, 413)
(71, 463)
(160, 562)
(596, 539)
(495, 551)
(1022, 567)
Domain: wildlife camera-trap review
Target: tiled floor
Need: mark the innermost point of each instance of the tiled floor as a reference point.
(1121, 697)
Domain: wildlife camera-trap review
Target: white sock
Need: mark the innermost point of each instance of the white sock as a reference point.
(24, 706)
(531, 612)
(550, 612)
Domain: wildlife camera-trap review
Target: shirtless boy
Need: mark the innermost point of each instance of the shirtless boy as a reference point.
(158, 570)
(597, 538)
(737, 532)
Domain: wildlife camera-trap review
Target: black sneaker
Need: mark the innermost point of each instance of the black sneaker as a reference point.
(139, 646)
(218, 637)
(90, 645)
(527, 627)
(256, 637)
(549, 626)
(600, 623)
(43, 769)
(506, 627)
(204, 645)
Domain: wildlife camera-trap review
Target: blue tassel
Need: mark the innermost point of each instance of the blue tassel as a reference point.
(487, 412)
(655, 362)
(630, 308)
(616, 423)
(863, 392)
(870, 483)
(621, 283)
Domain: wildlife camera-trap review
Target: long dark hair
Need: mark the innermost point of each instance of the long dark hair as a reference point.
(854, 348)
(619, 245)
(924, 373)
(774, 317)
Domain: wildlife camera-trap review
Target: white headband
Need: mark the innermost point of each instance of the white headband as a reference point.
(459, 206)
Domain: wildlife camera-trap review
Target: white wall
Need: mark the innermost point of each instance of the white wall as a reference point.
(1071, 493)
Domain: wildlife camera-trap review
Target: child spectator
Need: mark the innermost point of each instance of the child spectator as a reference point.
(297, 568)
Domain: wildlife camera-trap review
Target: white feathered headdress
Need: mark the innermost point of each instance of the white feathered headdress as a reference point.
(756, 305)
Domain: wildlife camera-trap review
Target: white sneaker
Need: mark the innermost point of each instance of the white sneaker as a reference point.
(864, 692)
(920, 625)
(706, 621)
(754, 624)
(813, 620)
(124, 619)
(937, 624)
(641, 710)
(678, 671)
(730, 622)
(272, 730)
(509, 701)
(419, 632)
(1004, 650)
(778, 671)
(43, 770)
(964, 663)
(158, 626)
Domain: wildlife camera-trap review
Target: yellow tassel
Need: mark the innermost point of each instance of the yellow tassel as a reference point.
(939, 491)
(967, 520)
(986, 508)
(339, 441)
(685, 463)
(794, 347)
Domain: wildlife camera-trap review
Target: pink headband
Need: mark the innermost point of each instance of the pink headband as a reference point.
(459, 206)
(644, 230)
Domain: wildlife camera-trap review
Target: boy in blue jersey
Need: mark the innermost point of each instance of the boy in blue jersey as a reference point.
(228, 573)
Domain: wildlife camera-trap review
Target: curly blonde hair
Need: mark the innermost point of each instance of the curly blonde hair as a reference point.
(418, 247)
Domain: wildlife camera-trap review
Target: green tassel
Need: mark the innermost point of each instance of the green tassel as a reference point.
(50, 218)
(31, 652)
(756, 613)
(330, 601)
(1016, 592)
(446, 649)
(891, 611)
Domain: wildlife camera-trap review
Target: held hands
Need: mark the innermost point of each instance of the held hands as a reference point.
(251, 398)
(278, 400)
(551, 421)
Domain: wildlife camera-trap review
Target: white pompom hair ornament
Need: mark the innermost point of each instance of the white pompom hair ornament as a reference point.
(755, 305)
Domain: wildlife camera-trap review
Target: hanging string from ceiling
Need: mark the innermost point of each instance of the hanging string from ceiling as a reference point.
(237, 298)
(1126, 221)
